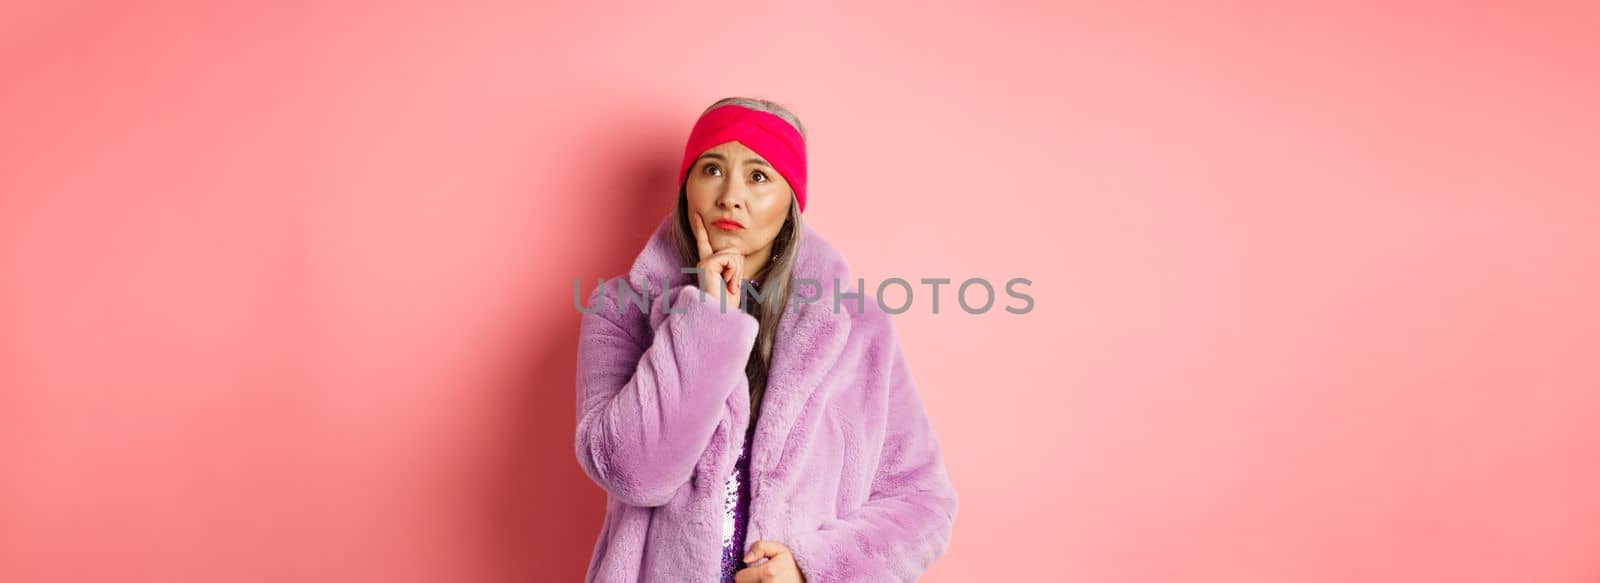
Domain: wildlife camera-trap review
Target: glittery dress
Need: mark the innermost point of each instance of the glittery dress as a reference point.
(735, 512)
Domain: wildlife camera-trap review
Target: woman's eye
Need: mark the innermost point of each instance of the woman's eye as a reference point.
(712, 169)
(759, 176)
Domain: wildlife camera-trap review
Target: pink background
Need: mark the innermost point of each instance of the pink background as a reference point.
(285, 291)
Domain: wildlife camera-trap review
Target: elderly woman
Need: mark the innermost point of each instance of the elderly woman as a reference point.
(759, 408)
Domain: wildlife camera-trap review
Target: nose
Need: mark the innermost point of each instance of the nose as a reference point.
(732, 196)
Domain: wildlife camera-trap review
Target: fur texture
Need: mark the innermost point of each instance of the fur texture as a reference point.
(845, 468)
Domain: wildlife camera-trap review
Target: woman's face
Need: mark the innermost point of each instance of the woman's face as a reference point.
(730, 181)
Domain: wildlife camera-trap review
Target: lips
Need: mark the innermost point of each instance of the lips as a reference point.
(727, 224)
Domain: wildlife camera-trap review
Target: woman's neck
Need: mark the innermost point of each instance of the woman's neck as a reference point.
(755, 264)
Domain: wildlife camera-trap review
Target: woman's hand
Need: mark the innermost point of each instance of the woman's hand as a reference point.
(779, 567)
(721, 267)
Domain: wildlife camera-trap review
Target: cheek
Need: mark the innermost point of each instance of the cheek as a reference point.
(771, 224)
(774, 209)
(698, 195)
(775, 215)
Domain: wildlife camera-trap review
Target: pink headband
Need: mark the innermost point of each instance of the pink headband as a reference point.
(769, 135)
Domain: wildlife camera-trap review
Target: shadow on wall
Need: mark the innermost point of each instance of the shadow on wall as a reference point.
(543, 513)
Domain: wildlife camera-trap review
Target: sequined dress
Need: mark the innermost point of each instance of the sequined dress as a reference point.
(735, 511)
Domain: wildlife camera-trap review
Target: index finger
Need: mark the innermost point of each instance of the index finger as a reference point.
(700, 237)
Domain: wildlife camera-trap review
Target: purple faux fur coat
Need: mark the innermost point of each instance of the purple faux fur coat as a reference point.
(845, 468)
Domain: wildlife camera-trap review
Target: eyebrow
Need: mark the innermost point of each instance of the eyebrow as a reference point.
(725, 159)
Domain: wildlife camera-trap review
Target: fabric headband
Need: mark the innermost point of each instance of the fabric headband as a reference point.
(769, 135)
